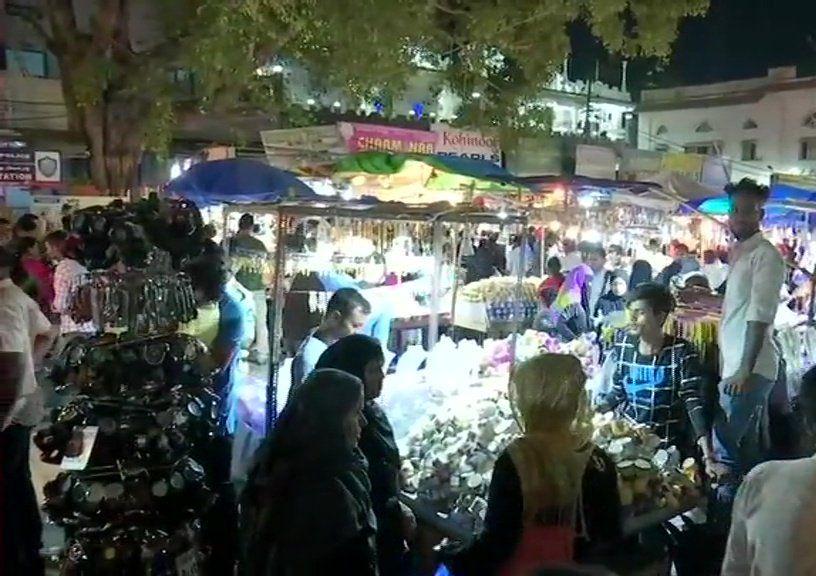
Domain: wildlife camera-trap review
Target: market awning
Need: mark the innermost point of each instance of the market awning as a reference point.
(238, 181)
(421, 178)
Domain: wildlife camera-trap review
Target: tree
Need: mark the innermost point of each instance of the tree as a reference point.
(496, 54)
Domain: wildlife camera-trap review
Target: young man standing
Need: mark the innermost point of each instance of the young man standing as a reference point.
(657, 378)
(346, 313)
(26, 336)
(601, 277)
(748, 356)
(249, 260)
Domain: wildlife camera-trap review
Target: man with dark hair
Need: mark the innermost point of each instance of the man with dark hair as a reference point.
(749, 359)
(26, 336)
(346, 313)
(684, 262)
(601, 277)
(5, 231)
(775, 507)
(657, 378)
(249, 260)
(220, 524)
(27, 226)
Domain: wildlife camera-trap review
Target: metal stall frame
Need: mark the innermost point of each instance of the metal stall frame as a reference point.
(434, 214)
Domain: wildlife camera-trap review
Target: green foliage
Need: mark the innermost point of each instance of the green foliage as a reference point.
(506, 50)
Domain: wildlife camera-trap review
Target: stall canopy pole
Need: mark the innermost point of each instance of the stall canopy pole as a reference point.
(518, 294)
(457, 266)
(275, 323)
(433, 321)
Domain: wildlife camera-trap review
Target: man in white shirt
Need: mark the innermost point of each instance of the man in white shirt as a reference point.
(601, 277)
(775, 510)
(749, 358)
(346, 313)
(26, 335)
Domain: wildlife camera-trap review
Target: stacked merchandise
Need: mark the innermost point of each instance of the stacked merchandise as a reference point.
(138, 417)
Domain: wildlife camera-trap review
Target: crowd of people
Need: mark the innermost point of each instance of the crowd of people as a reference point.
(322, 496)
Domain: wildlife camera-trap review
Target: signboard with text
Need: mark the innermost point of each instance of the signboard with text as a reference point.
(467, 144)
(363, 137)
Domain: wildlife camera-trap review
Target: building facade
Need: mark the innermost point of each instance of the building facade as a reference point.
(762, 125)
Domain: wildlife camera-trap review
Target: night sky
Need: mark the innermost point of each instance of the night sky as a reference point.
(737, 39)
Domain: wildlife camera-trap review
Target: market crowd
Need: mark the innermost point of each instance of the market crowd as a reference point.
(323, 493)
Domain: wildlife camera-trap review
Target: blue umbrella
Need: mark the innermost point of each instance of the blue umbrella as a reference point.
(238, 181)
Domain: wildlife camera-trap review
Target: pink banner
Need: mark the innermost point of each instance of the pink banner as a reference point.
(361, 137)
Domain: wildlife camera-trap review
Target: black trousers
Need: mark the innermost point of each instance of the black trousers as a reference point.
(220, 523)
(20, 522)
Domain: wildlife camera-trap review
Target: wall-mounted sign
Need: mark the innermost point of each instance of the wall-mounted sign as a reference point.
(468, 144)
(362, 137)
(47, 166)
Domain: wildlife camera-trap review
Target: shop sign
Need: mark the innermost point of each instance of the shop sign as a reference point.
(467, 144)
(47, 166)
(16, 172)
(364, 137)
(595, 161)
(689, 165)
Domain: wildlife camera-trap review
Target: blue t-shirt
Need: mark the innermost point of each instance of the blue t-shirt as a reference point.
(231, 328)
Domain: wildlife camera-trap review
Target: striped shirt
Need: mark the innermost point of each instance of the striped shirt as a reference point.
(663, 390)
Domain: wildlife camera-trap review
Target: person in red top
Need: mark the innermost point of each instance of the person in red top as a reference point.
(550, 287)
(37, 272)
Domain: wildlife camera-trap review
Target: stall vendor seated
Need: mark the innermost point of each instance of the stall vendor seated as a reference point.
(656, 377)
(346, 313)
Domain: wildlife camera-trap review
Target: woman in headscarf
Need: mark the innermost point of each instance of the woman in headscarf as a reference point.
(641, 274)
(569, 309)
(307, 505)
(614, 300)
(362, 356)
(553, 496)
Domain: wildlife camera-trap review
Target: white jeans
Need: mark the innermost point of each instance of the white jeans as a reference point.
(261, 343)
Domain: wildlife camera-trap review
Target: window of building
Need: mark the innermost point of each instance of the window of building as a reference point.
(749, 124)
(705, 148)
(810, 121)
(704, 126)
(749, 150)
(807, 149)
(27, 62)
(661, 130)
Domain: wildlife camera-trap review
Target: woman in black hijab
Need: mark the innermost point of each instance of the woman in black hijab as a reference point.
(362, 356)
(641, 273)
(307, 508)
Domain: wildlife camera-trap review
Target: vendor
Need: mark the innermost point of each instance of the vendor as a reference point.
(657, 376)
(362, 356)
(346, 313)
(554, 496)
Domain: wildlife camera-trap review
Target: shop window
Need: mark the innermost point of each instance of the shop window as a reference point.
(749, 124)
(704, 126)
(810, 121)
(749, 150)
(27, 62)
(704, 148)
(807, 149)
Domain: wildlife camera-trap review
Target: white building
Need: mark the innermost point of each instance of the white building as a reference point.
(763, 125)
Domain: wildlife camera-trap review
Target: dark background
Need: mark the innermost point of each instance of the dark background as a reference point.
(737, 39)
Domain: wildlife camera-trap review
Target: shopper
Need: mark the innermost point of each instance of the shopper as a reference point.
(714, 269)
(568, 315)
(5, 231)
(362, 356)
(26, 336)
(749, 358)
(601, 277)
(641, 274)
(66, 252)
(555, 279)
(553, 496)
(346, 313)
(249, 258)
(27, 226)
(220, 524)
(38, 275)
(307, 506)
(614, 301)
(774, 510)
(683, 263)
(657, 379)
